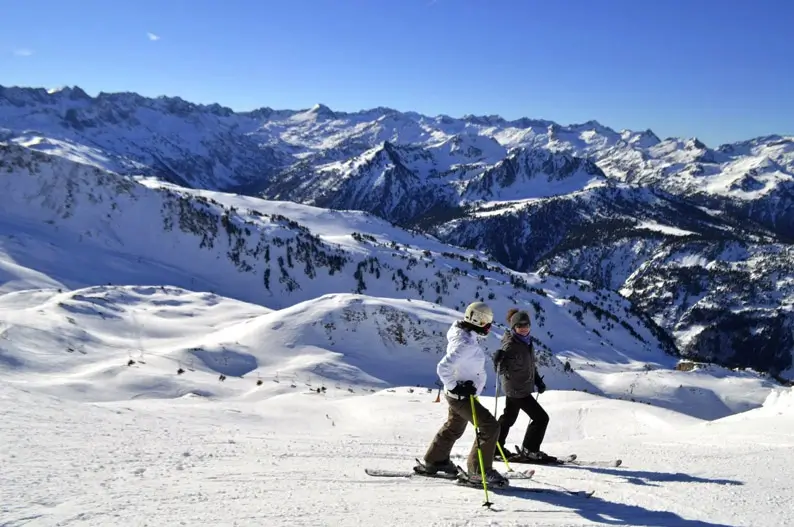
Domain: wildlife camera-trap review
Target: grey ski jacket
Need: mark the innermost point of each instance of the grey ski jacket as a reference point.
(515, 365)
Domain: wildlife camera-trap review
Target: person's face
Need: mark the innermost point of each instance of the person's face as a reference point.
(522, 329)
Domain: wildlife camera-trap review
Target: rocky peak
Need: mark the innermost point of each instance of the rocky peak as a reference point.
(694, 144)
(322, 111)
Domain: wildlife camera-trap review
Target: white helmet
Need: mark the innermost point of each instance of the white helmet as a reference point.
(478, 314)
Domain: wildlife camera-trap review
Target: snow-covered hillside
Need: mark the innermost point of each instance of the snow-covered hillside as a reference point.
(126, 342)
(73, 226)
(722, 287)
(272, 253)
(127, 133)
(620, 209)
(298, 458)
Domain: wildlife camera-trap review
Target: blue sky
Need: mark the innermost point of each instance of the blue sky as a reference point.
(718, 70)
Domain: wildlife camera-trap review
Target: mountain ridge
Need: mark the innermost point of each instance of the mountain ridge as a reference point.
(14, 94)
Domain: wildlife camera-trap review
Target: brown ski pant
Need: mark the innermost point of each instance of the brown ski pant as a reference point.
(458, 417)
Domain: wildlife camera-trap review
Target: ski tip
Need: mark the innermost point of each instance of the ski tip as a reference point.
(521, 474)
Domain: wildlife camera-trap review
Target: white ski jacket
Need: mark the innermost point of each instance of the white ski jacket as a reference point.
(464, 360)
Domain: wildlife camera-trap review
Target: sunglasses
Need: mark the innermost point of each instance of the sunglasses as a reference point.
(522, 325)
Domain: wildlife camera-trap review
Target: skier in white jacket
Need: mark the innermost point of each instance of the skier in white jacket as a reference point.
(462, 370)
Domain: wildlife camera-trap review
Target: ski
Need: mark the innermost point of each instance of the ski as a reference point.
(464, 480)
(571, 459)
(539, 490)
(407, 474)
(519, 458)
(519, 474)
(385, 473)
(613, 463)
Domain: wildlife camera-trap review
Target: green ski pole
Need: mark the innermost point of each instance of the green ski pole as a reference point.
(479, 452)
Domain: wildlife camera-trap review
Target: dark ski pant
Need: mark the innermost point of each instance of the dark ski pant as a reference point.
(458, 418)
(536, 430)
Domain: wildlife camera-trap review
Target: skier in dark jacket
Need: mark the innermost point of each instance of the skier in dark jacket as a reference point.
(515, 364)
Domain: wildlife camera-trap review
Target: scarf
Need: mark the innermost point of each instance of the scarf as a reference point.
(526, 340)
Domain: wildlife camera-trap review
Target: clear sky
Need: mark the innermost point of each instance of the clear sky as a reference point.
(720, 70)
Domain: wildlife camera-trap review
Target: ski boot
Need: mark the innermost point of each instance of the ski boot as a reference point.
(540, 458)
(431, 469)
(493, 479)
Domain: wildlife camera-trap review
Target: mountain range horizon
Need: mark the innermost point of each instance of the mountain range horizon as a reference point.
(320, 106)
(698, 239)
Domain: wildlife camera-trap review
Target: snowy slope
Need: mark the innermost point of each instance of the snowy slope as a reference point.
(73, 227)
(79, 344)
(99, 424)
(299, 459)
(271, 253)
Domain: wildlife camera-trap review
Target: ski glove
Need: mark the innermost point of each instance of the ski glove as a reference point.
(464, 389)
(497, 358)
(539, 383)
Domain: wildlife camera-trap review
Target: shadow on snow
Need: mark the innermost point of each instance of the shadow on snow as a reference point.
(651, 478)
(602, 512)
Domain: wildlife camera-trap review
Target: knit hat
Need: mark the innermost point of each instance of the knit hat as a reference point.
(519, 317)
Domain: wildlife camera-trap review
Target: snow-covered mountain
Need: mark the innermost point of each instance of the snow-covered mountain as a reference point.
(166, 137)
(342, 286)
(698, 237)
(69, 225)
